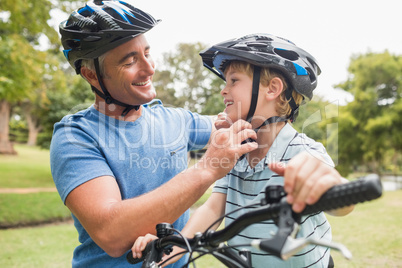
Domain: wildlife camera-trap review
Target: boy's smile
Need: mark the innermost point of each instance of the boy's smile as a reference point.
(228, 102)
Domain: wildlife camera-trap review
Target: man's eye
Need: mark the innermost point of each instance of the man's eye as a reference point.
(130, 63)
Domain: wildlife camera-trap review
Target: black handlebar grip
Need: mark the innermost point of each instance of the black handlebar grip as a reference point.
(133, 260)
(145, 252)
(343, 195)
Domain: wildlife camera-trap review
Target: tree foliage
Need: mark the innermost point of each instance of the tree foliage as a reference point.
(182, 81)
(371, 124)
(27, 69)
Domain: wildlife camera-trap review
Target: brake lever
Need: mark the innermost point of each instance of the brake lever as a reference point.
(287, 226)
(294, 245)
(284, 244)
(154, 255)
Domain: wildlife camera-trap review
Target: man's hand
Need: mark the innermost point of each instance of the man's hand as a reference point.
(225, 148)
(223, 121)
(307, 178)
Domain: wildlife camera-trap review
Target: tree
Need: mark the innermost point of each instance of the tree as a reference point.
(19, 68)
(76, 96)
(310, 119)
(36, 106)
(18, 75)
(23, 66)
(182, 81)
(371, 122)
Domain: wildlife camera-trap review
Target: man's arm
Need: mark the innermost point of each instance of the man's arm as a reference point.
(213, 120)
(114, 224)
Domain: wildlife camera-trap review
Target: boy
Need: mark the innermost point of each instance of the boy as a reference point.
(267, 79)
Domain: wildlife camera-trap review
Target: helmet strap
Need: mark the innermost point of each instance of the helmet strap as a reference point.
(291, 117)
(106, 95)
(254, 93)
(295, 108)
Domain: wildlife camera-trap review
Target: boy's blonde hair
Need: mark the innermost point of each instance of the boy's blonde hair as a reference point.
(282, 105)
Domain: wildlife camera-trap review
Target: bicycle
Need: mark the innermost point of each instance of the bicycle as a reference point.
(274, 206)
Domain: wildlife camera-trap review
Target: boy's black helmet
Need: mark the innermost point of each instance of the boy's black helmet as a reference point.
(100, 26)
(265, 50)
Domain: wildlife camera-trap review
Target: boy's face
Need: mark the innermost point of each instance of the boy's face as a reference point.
(129, 69)
(237, 94)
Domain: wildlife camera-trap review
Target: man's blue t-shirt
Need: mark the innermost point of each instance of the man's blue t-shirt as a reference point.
(140, 155)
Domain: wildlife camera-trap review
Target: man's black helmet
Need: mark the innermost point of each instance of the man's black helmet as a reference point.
(265, 50)
(100, 26)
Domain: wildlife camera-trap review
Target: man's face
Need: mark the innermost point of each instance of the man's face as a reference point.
(128, 72)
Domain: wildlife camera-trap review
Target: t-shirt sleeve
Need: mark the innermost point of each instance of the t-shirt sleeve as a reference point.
(312, 147)
(75, 158)
(199, 127)
(221, 185)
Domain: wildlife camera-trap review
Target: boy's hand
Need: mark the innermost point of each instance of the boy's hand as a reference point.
(142, 242)
(307, 178)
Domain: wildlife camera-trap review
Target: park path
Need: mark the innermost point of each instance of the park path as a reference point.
(26, 190)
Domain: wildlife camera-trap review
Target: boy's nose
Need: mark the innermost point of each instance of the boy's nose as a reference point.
(224, 91)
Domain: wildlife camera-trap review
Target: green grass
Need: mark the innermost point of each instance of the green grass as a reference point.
(372, 232)
(50, 246)
(17, 209)
(30, 168)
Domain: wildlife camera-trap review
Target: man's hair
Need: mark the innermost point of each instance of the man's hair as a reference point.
(267, 74)
(89, 63)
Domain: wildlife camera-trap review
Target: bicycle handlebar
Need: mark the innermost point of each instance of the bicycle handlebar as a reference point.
(338, 196)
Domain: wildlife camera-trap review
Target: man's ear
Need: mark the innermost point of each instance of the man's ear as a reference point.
(90, 76)
(275, 88)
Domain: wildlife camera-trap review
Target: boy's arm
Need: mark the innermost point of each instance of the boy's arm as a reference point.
(205, 215)
(307, 178)
(202, 218)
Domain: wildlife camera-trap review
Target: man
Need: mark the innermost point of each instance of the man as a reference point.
(120, 165)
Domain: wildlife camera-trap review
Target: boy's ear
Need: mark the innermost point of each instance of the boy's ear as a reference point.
(90, 76)
(275, 88)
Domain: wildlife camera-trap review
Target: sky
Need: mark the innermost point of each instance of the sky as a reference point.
(332, 31)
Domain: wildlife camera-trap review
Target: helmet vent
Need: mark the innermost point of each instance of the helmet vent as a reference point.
(314, 65)
(105, 22)
(287, 54)
(263, 38)
(257, 44)
(73, 43)
(311, 74)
